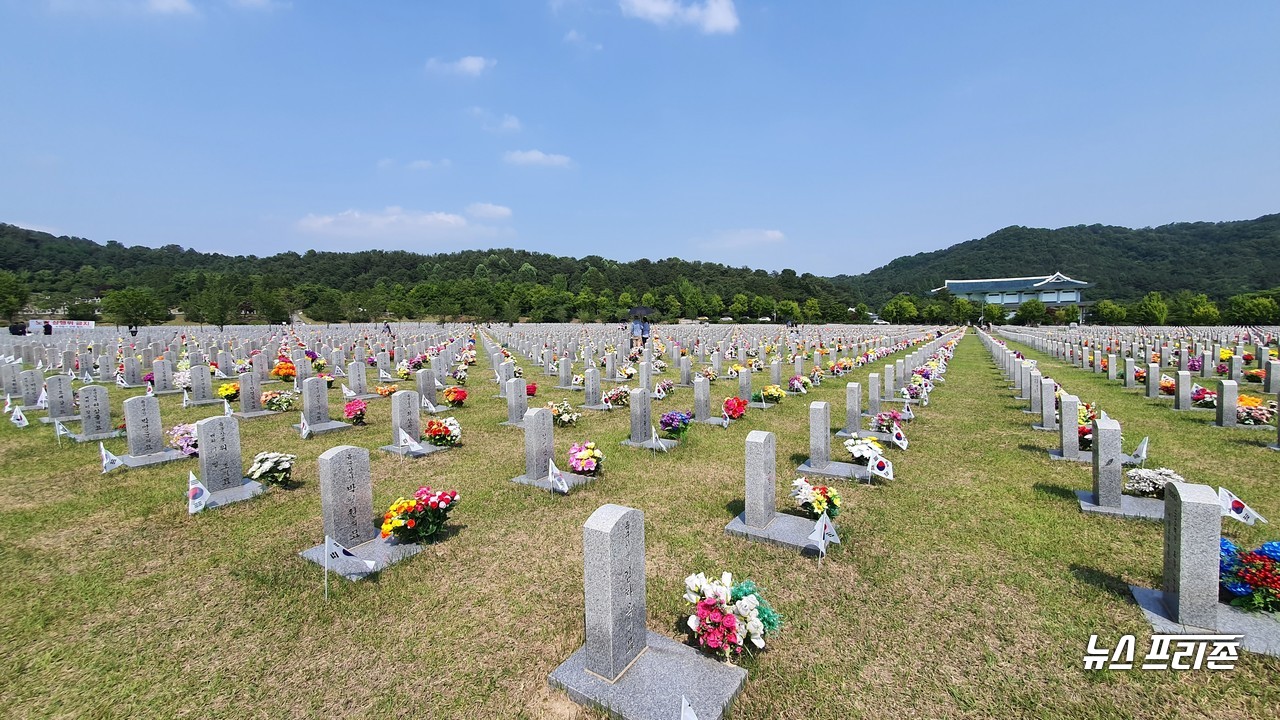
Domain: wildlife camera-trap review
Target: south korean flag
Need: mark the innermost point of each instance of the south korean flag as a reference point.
(880, 467)
(8, 402)
(217, 373)
(558, 482)
(898, 438)
(336, 554)
(186, 398)
(226, 409)
(17, 418)
(347, 392)
(197, 494)
(304, 428)
(1233, 506)
(109, 460)
(383, 374)
(824, 533)
(407, 441)
(658, 392)
(907, 413)
(42, 402)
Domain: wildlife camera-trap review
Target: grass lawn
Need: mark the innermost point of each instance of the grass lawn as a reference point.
(967, 588)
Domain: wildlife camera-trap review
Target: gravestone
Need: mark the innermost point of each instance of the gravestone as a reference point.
(406, 406)
(686, 372)
(642, 428)
(1048, 419)
(759, 522)
(702, 404)
(1228, 399)
(162, 377)
(425, 380)
(820, 462)
(744, 385)
(1111, 367)
(315, 408)
(9, 379)
(517, 402)
(1034, 394)
(95, 415)
(62, 401)
(1108, 496)
(566, 375)
(221, 471)
(346, 501)
(202, 387)
(873, 397)
(146, 434)
(1271, 380)
(1182, 391)
(1153, 380)
(592, 396)
(251, 397)
(1207, 363)
(623, 668)
(1068, 431)
(358, 381)
(30, 383)
(852, 410)
(132, 372)
(1130, 373)
(539, 450)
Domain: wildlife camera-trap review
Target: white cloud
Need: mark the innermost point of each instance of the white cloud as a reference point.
(743, 238)
(710, 16)
(492, 123)
(488, 211)
(171, 7)
(573, 37)
(428, 164)
(386, 163)
(260, 4)
(510, 123)
(536, 157)
(472, 65)
(397, 226)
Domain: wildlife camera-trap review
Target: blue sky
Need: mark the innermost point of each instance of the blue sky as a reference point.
(826, 137)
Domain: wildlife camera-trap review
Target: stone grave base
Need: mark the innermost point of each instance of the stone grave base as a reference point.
(96, 437)
(247, 489)
(759, 405)
(325, 427)
(402, 451)
(253, 414)
(508, 423)
(832, 469)
(1079, 457)
(1273, 446)
(127, 386)
(1261, 633)
(684, 385)
(544, 483)
(164, 456)
(662, 444)
(909, 401)
(168, 392)
(201, 403)
(788, 531)
(1042, 428)
(1029, 411)
(570, 388)
(64, 419)
(1241, 426)
(1134, 508)
(717, 421)
(651, 688)
(847, 433)
(603, 407)
(384, 551)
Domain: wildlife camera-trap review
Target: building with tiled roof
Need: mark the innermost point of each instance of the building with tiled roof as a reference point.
(1054, 290)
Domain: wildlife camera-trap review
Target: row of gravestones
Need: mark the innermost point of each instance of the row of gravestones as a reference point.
(1228, 390)
(1192, 516)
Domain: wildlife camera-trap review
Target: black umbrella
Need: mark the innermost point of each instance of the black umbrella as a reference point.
(641, 311)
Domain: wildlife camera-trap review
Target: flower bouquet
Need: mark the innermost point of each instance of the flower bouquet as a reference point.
(770, 394)
(1150, 483)
(816, 499)
(387, 390)
(1255, 375)
(183, 437)
(709, 373)
(272, 468)
(563, 414)
(665, 386)
(627, 371)
(182, 379)
(243, 366)
(675, 424)
(913, 390)
(815, 375)
(727, 616)
(617, 397)
(884, 422)
(531, 389)
(420, 362)
(735, 370)
(229, 391)
(354, 411)
(327, 378)
(577, 380)
(1167, 385)
(799, 384)
(149, 377)
(1084, 434)
(443, 433)
(658, 365)
(735, 407)
(284, 370)
(420, 518)
(279, 401)
(517, 371)
(1203, 397)
(455, 396)
(1250, 410)
(1195, 363)
(459, 375)
(468, 357)
(403, 372)
(1222, 370)
(586, 459)
(1252, 579)
(1140, 374)
(318, 364)
(863, 449)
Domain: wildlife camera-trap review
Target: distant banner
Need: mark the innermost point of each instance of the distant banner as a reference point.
(35, 327)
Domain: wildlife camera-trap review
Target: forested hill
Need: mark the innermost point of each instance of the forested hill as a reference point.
(1218, 259)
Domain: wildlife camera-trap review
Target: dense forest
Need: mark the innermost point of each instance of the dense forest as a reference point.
(1185, 273)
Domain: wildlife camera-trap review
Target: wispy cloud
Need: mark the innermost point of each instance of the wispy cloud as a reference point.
(488, 211)
(505, 123)
(471, 65)
(428, 164)
(398, 226)
(536, 157)
(709, 16)
(573, 37)
(742, 238)
(171, 7)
